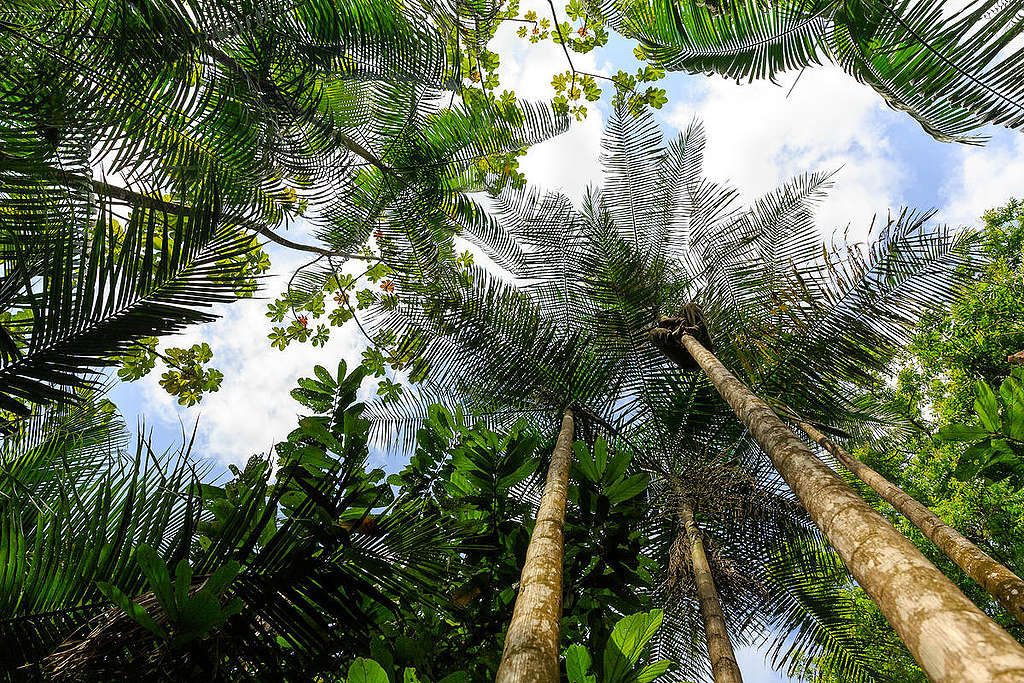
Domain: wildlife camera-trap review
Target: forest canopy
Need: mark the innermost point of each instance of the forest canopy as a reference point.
(616, 414)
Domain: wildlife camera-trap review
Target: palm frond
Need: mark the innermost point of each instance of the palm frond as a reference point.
(83, 298)
(952, 71)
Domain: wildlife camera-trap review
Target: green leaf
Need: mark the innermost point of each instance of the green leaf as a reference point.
(652, 671)
(155, 570)
(133, 610)
(600, 455)
(577, 664)
(222, 577)
(617, 465)
(366, 671)
(627, 488)
(972, 460)
(585, 462)
(959, 432)
(987, 407)
(627, 642)
(524, 470)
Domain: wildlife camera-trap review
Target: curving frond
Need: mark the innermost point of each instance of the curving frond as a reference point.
(76, 300)
(954, 69)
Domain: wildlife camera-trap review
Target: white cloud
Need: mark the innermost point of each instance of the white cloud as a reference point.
(985, 177)
(758, 138)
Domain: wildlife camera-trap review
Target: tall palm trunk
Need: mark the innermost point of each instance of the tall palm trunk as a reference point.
(531, 653)
(948, 635)
(723, 658)
(999, 581)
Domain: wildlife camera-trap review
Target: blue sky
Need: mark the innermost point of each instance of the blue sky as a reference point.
(757, 137)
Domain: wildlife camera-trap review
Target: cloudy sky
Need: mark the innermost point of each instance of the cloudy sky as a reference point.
(758, 135)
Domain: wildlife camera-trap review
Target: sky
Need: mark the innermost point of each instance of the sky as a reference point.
(758, 136)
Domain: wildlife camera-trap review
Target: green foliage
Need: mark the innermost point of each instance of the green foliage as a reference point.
(89, 294)
(185, 377)
(996, 450)
(249, 558)
(623, 658)
(948, 69)
(190, 611)
(971, 340)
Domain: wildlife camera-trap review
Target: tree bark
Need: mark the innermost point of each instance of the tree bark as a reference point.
(531, 653)
(998, 580)
(723, 659)
(948, 635)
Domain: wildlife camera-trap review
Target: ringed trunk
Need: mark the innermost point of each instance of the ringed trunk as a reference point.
(723, 659)
(998, 580)
(948, 635)
(531, 653)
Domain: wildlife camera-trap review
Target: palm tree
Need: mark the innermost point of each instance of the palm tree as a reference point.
(278, 579)
(996, 578)
(532, 644)
(528, 365)
(808, 327)
(887, 565)
(952, 69)
(733, 546)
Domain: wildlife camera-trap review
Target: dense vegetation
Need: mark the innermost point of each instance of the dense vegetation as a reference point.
(632, 433)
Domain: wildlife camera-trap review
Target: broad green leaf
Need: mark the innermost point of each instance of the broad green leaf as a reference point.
(585, 462)
(987, 407)
(222, 577)
(959, 432)
(600, 455)
(627, 642)
(652, 671)
(155, 570)
(182, 582)
(627, 488)
(522, 472)
(366, 671)
(617, 465)
(972, 460)
(577, 663)
(132, 609)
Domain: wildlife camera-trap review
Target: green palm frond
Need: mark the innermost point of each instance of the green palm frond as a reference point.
(76, 300)
(86, 533)
(816, 618)
(56, 444)
(735, 38)
(953, 71)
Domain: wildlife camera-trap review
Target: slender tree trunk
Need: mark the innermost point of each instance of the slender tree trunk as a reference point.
(952, 640)
(723, 658)
(999, 581)
(531, 653)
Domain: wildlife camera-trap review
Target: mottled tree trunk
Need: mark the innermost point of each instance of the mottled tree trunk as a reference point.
(723, 658)
(1000, 582)
(531, 653)
(952, 640)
